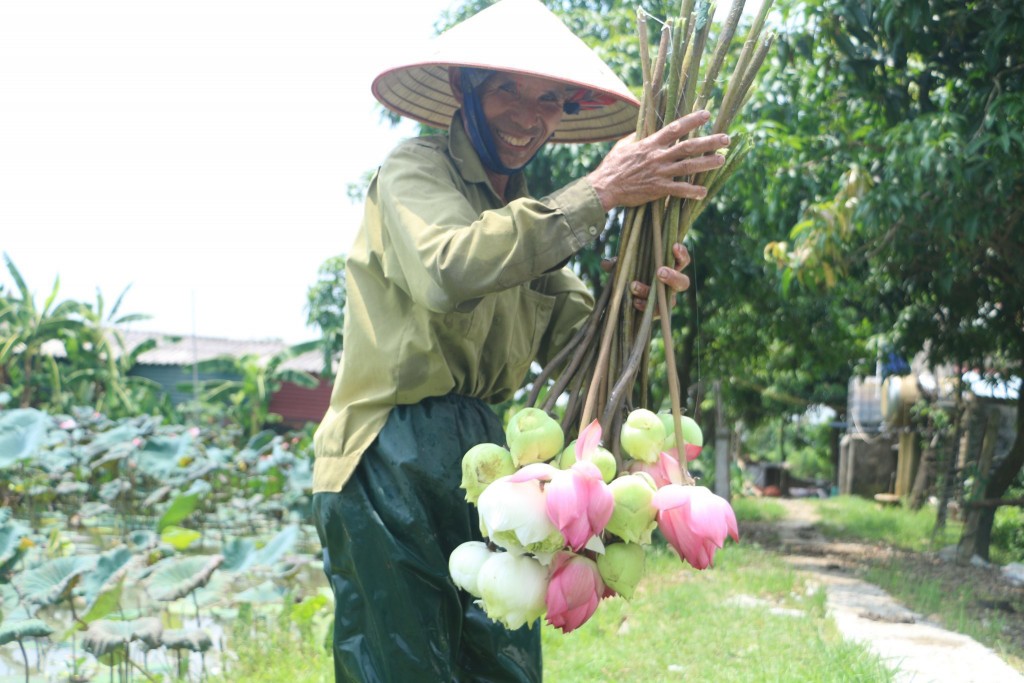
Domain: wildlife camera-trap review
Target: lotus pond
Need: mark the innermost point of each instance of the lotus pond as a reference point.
(136, 550)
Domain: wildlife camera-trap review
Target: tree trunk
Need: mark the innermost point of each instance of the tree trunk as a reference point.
(1002, 478)
(925, 473)
(968, 537)
(946, 491)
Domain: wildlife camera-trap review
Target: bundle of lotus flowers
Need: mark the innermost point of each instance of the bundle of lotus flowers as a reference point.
(567, 527)
(602, 372)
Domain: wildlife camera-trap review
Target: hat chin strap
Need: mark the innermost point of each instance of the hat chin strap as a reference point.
(476, 125)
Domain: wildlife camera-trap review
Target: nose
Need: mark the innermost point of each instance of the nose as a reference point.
(526, 114)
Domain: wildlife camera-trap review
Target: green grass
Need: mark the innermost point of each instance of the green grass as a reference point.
(757, 509)
(681, 625)
(713, 625)
(852, 518)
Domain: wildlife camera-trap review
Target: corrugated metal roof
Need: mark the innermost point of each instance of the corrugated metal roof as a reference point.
(174, 349)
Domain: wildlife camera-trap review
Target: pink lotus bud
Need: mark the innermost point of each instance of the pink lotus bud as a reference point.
(579, 503)
(695, 522)
(483, 464)
(622, 567)
(512, 589)
(633, 518)
(574, 591)
(642, 435)
(665, 471)
(533, 436)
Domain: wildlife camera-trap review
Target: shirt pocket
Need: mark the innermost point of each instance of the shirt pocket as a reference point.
(517, 329)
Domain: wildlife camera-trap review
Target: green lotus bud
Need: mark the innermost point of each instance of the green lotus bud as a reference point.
(634, 515)
(483, 464)
(533, 436)
(602, 457)
(691, 432)
(642, 435)
(622, 566)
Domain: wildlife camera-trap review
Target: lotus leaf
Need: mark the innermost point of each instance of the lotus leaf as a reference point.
(180, 508)
(201, 487)
(267, 592)
(70, 488)
(162, 456)
(173, 579)
(110, 491)
(238, 554)
(52, 581)
(119, 439)
(194, 639)
(157, 496)
(143, 539)
(282, 543)
(106, 636)
(56, 461)
(179, 538)
(22, 432)
(11, 534)
(96, 585)
(24, 628)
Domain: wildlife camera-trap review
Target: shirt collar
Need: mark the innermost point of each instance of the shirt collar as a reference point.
(468, 162)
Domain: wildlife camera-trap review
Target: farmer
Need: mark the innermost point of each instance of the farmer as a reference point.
(455, 284)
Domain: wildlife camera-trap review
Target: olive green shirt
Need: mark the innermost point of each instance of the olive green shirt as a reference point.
(449, 290)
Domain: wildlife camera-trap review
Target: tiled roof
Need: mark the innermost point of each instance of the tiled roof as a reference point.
(186, 349)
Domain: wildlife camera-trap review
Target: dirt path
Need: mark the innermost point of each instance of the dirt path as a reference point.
(918, 648)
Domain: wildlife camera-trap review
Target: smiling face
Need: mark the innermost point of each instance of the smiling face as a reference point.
(522, 112)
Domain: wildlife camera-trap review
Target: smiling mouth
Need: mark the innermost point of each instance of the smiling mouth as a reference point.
(514, 141)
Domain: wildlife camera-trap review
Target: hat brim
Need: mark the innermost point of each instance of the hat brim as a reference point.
(516, 36)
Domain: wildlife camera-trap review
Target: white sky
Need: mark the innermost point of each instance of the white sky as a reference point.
(196, 150)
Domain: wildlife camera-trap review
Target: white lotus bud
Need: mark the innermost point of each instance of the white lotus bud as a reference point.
(464, 565)
(513, 589)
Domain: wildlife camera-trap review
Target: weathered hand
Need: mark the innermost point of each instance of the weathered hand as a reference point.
(673, 278)
(639, 171)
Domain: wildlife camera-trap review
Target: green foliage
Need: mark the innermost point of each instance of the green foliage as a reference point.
(246, 400)
(850, 517)
(325, 309)
(60, 355)
(803, 445)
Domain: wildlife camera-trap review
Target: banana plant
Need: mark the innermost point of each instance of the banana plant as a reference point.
(24, 329)
(99, 362)
(247, 398)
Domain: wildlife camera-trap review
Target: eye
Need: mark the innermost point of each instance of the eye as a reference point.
(509, 87)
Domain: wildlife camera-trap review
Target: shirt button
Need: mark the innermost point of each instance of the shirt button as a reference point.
(592, 229)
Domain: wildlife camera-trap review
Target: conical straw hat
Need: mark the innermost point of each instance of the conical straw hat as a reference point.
(520, 36)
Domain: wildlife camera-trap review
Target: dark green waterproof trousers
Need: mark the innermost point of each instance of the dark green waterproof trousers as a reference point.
(387, 537)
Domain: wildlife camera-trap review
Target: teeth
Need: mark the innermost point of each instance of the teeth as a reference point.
(514, 141)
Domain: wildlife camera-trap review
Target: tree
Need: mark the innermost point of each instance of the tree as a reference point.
(325, 309)
(938, 90)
